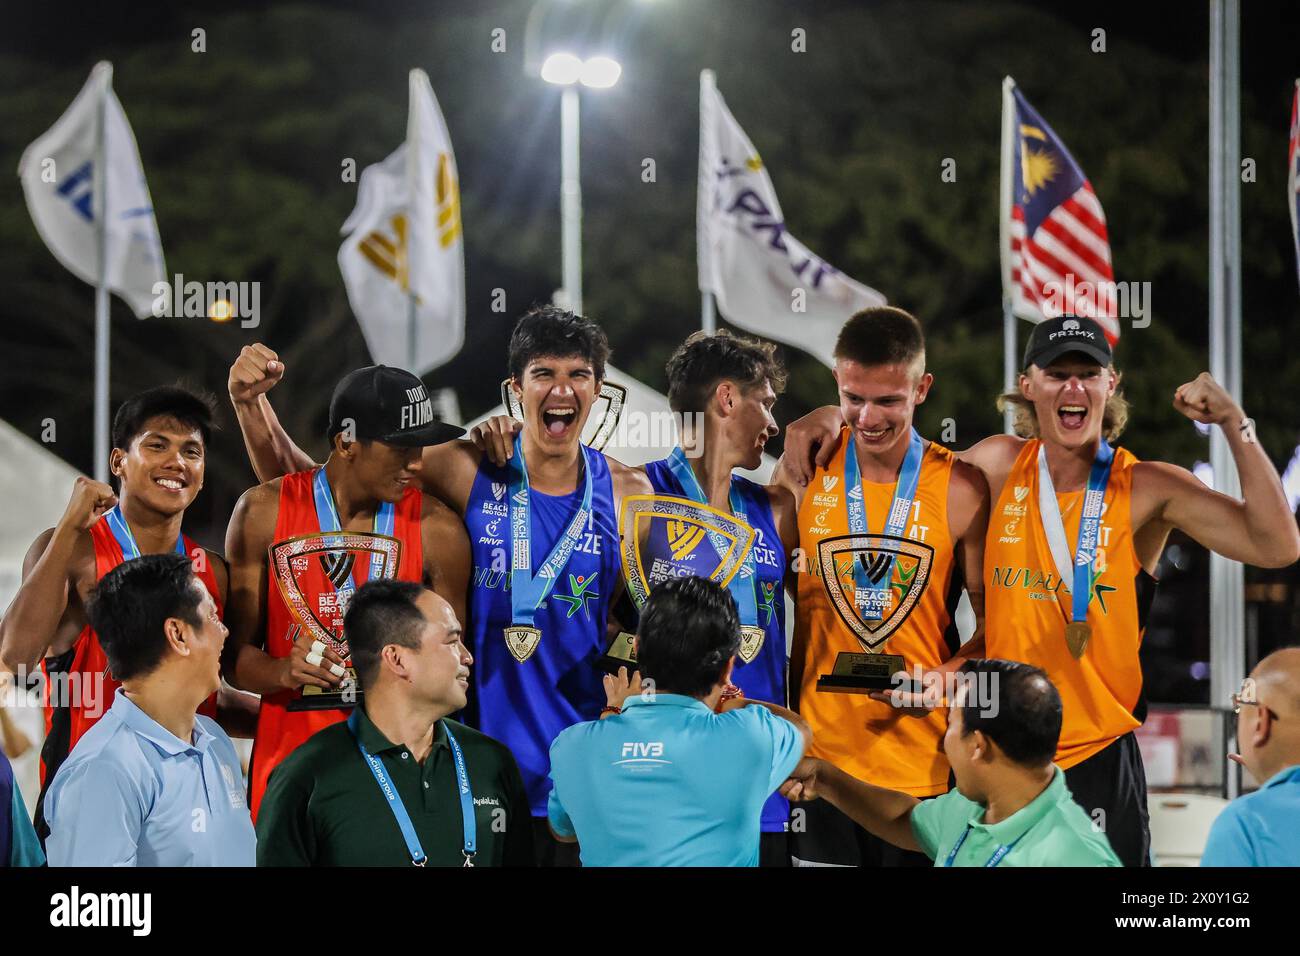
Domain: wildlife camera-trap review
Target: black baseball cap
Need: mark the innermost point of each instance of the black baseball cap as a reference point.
(1053, 338)
(389, 405)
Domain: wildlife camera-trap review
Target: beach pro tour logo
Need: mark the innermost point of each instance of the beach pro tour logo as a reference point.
(906, 562)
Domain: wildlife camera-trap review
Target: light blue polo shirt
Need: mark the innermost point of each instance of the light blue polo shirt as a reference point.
(131, 793)
(1261, 828)
(670, 783)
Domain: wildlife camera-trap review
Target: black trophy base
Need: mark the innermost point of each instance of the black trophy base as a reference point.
(610, 665)
(841, 684)
(330, 701)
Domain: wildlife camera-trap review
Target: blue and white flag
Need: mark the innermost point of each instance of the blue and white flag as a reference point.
(61, 173)
(764, 279)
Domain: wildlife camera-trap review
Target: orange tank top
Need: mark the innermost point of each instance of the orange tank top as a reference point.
(1027, 605)
(86, 688)
(866, 738)
(279, 730)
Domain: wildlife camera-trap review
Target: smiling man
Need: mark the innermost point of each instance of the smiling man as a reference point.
(158, 462)
(399, 783)
(380, 422)
(889, 530)
(1074, 537)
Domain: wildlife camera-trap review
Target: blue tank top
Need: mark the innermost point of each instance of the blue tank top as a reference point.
(525, 705)
(763, 678)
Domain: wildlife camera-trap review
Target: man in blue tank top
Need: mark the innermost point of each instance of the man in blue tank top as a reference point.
(543, 532)
(723, 387)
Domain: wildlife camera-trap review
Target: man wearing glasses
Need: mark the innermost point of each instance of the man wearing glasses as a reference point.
(1260, 829)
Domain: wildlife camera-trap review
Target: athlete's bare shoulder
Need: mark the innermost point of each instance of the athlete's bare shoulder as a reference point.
(968, 499)
(447, 471)
(994, 456)
(255, 513)
(81, 567)
(436, 514)
(627, 479)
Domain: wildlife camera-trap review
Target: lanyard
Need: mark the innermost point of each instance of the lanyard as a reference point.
(998, 855)
(528, 590)
(1089, 526)
(327, 517)
(742, 585)
(126, 540)
(904, 493)
(469, 825)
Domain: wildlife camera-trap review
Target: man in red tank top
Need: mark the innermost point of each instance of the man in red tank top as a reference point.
(160, 440)
(286, 619)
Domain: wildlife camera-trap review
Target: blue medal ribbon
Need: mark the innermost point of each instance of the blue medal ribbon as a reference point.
(1085, 552)
(327, 517)
(998, 855)
(528, 590)
(742, 586)
(126, 540)
(854, 495)
(469, 825)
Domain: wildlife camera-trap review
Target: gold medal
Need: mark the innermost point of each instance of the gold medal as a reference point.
(522, 641)
(1076, 637)
(751, 642)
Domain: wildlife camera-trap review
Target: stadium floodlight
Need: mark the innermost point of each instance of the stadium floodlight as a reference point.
(562, 69)
(601, 72)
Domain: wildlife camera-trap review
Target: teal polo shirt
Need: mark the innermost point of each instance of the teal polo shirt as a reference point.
(1050, 830)
(670, 783)
(1261, 828)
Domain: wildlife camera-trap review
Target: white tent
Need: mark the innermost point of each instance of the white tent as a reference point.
(34, 485)
(646, 430)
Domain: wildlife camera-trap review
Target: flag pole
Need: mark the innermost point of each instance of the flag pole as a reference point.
(708, 313)
(1009, 366)
(100, 185)
(412, 165)
(1227, 641)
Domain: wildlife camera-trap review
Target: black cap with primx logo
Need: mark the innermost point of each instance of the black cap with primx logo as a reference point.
(388, 405)
(1053, 338)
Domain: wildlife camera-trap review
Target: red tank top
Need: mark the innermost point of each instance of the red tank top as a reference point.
(279, 730)
(87, 689)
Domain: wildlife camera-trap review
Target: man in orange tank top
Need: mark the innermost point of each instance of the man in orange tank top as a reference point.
(1043, 534)
(380, 421)
(160, 439)
(889, 531)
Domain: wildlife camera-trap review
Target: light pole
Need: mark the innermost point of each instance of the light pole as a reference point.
(567, 70)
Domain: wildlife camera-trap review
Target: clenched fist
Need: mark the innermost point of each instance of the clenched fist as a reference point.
(1206, 401)
(257, 370)
(90, 500)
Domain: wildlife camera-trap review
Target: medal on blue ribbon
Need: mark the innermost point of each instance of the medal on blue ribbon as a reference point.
(1078, 572)
(872, 602)
(529, 590)
(742, 586)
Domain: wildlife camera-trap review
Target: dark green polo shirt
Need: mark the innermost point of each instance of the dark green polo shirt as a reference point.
(323, 806)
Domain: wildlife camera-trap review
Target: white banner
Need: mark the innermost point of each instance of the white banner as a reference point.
(403, 238)
(61, 174)
(764, 280)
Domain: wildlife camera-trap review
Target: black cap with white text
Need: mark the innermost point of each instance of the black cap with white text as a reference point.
(390, 405)
(1053, 338)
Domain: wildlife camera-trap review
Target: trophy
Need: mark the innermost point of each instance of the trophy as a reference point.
(319, 607)
(663, 536)
(874, 581)
(614, 396)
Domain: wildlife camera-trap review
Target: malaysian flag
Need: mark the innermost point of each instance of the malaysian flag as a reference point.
(1293, 173)
(1055, 251)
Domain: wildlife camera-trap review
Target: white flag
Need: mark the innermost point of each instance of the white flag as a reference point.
(60, 179)
(404, 238)
(764, 280)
